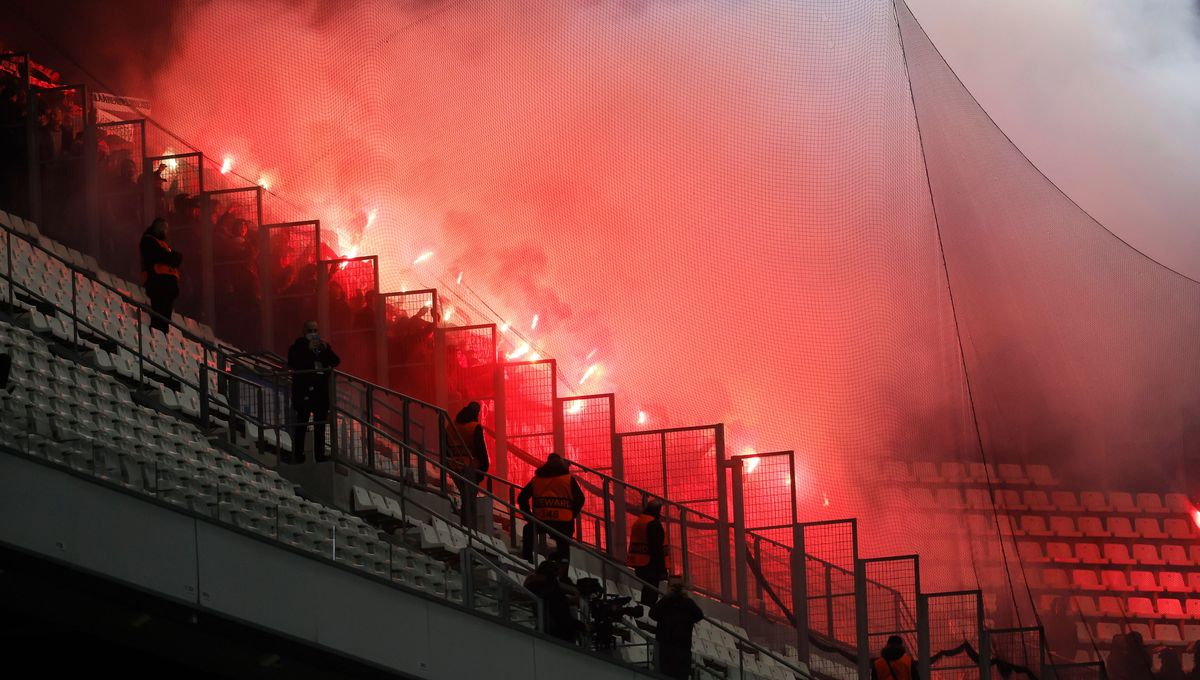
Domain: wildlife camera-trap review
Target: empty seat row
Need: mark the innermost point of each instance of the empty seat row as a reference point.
(1144, 554)
(1039, 501)
(1062, 526)
(925, 472)
(1136, 580)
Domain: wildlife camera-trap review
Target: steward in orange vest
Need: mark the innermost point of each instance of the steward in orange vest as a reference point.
(649, 551)
(894, 662)
(554, 498)
(160, 273)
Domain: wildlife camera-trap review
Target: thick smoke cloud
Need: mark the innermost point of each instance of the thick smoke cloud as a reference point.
(724, 202)
(1103, 96)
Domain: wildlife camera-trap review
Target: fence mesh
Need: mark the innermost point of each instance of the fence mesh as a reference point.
(233, 217)
(529, 392)
(470, 364)
(119, 153)
(891, 595)
(293, 253)
(829, 554)
(587, 432)
(953, 623)
(1016, 653)
(60, 152)
(411, 320)
(351, 292)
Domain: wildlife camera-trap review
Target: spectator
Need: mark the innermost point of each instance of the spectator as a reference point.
(1171, 666)
(556, 500)
(469, 457)
(649, 554)
(558, 619)
(1061, 636)
(894, 662)
(310, 358)
(160, 274)
(676, 615)
(1140, 663)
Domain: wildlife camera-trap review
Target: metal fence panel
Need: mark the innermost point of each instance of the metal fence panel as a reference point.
(120, 149)
(350, 287)
(233, 218)
(410, 319)
(291, 252)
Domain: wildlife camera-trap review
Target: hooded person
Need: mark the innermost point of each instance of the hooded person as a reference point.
(554, 499)
(675, 615)
(310, 358)
(160, 274)
(649, 553)
(894, 662)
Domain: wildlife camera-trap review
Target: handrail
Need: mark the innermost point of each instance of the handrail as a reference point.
(77, 321)
(463, 483)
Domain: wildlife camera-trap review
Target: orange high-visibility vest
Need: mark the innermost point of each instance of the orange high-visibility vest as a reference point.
(552, 498)
(902, 668)
(159, 268)
(638, 554)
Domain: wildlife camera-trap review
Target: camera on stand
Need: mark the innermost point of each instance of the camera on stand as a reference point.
(605, 612)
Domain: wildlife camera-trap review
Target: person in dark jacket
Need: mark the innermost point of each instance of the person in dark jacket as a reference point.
(160, 274)
(556, 599)
(676, 616)
(554, 498)
(894, 662)
(311, 358)
(468, 457)
(648, 553)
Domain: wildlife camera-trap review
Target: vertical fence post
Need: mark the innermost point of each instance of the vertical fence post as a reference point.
(367, 433)
(331, 426)
(722, 519)
(608, 526)
(739, 540)
(985, 642)
(862, 629)
(266, 279)
(91, 180)
(923, 637)
(800, 593)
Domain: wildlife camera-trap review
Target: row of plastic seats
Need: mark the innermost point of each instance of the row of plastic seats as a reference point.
(925, 472)
(1136, 580)
(1142, 608)
(1144, 554)
(1115, 526)
(1095, 502)
(101, 433)
(1039, 501)
(103, 308)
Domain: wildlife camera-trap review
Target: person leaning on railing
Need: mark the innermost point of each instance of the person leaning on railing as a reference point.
(311, 358)
(160, 274)
(649, 553)
(468, 457)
